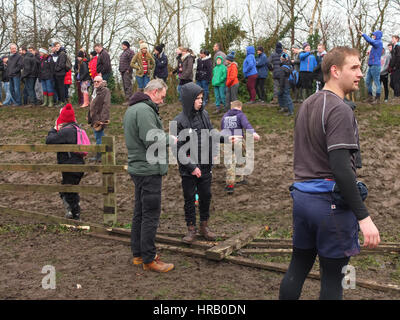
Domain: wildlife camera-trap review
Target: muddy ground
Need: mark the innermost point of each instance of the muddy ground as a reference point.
(103, 268)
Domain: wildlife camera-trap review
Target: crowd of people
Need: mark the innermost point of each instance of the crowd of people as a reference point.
(296, 72)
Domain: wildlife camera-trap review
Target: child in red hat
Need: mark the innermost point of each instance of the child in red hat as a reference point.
(65, 132)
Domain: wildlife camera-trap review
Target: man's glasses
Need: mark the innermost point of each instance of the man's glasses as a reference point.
(97, 81)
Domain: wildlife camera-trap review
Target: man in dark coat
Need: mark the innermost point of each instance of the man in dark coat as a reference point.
(14, 67)
(29, 76)
(275, 60)
(126, 70)
(103, 62)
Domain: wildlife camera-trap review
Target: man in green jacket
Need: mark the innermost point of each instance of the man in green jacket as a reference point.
(147, 145)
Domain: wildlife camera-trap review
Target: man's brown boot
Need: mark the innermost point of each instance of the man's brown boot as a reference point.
(206, 233)
(191, 235)
(158, 266)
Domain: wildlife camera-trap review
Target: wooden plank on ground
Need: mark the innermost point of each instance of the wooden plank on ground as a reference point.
(52, 188)
(52, 148)
(47, 218)
(61, 168)
(238, 241)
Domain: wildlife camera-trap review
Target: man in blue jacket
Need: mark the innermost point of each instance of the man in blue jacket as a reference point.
(374, 65)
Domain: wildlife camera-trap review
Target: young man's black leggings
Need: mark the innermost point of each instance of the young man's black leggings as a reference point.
(300, 266)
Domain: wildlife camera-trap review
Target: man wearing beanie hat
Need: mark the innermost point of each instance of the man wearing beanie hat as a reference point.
(161, 60)
(126, 70)
(65, 132)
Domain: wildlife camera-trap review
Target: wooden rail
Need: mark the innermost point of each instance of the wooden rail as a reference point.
(108, 169)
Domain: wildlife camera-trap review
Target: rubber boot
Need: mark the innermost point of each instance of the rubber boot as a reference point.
(51, 101)
(68, 214)
(206, 233)
(45, 101)
(85, 100)
(191, 235)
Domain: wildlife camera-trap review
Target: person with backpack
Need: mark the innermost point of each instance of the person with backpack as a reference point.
(99, 111)
(284, 98)
(65, 131)
(83, 76)
(262, 70)
(46, 75)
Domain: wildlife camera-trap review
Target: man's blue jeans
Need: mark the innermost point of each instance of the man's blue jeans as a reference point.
(15, 84)
(9, 99)
(374, 75)
(98, 135)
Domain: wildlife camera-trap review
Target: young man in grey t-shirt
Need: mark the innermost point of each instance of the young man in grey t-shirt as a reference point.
(325, 148)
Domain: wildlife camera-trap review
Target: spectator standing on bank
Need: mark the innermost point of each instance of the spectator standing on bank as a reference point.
(46, 76)
(83, 76)
(219, 83)
(77, 82)
(232, 81)
(29, 76)
(374, 65)
(250, 73)
(103, 67)
(385, 63)
(126, 70)
(161, 63)
(218, 53)
(284, 98)
(275, 61)
(262, 70)
(204, 73)
(93, 64)
(395, 68)
(187, 67)
(6, 83)
(15, 65)
(319, 76)
(99, 111)
(308, 62)
(178, 70)
(60, 70)
(144, 64)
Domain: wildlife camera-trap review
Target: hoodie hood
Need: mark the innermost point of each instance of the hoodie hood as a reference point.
(233, 112)
(219, 57)
(138, 97)
(378, 34)
(250, 50)
(189, 93)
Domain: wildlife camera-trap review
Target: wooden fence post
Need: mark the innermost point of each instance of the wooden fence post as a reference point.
(109, 182)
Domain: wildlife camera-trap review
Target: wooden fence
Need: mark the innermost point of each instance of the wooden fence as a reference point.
(108, 168)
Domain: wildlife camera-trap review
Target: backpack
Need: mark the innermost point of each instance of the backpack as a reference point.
(81, 139)
(294, 75)
(68, 64)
